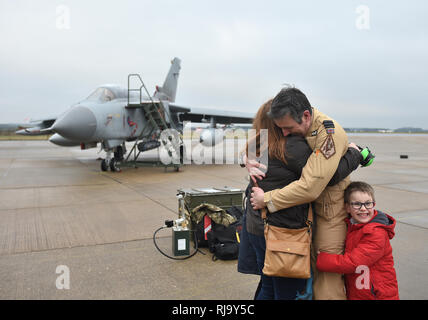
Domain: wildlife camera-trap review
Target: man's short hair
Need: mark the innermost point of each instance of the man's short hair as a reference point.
(358, 186)
(290, 101)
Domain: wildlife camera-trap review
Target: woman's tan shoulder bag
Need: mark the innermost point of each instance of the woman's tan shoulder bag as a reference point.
(288, 251)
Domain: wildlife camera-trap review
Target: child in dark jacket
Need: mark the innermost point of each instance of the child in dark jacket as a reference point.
(367, 263)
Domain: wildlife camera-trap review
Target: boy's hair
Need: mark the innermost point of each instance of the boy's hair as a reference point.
(358, 186)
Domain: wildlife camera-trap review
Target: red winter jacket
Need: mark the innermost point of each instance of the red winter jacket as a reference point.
(367, 263)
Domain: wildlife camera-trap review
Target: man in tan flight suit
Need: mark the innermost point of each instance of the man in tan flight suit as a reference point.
(292, 112)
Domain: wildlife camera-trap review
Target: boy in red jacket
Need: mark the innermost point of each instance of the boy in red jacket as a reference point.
(367, 262)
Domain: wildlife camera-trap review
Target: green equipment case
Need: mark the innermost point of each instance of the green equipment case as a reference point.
(224, 198)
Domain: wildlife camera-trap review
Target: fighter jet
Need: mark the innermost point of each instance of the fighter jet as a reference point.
(112, 115)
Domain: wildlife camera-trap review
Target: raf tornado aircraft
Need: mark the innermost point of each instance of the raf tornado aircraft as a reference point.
(112, 115)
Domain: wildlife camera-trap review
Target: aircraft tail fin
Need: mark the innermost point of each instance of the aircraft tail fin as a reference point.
(169, 88)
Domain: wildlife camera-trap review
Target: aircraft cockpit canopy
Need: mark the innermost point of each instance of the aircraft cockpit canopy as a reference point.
(104, 94)
(109, 92)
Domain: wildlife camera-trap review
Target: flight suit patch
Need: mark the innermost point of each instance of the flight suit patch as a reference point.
(328, 149)
(329, 126)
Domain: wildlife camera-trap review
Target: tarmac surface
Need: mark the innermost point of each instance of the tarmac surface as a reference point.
(58, 209)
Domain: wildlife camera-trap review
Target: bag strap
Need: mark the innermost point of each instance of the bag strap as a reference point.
(310, 220)
(264, 213)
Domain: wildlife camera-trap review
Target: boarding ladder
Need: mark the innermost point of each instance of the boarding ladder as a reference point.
(156, 115)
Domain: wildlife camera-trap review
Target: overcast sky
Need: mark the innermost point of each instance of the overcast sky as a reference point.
(364, 63)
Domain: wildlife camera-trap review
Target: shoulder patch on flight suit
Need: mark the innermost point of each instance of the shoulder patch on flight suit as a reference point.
(329, 126)
(328, 149)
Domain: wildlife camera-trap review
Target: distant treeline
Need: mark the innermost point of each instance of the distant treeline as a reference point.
(409, 129)
(5, 127)
(7, 132)
(385, 130)
(10, 129)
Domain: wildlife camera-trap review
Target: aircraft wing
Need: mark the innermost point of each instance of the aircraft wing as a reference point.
(205, 114)
(202, 114)
(37, 127)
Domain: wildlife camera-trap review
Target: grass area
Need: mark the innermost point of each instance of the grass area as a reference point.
(19, 137)
(227, 135)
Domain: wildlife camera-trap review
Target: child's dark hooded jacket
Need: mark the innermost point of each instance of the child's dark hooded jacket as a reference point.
(368, 264)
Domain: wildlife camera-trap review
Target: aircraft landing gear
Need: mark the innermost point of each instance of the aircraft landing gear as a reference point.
(112, 162)
(104, 165)
(119, 153)
(113, 165)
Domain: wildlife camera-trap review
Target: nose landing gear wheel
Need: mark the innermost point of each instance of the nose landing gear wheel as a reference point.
(113, 165)
(104, 166)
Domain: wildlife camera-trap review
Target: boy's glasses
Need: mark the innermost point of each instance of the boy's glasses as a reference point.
(359, 205)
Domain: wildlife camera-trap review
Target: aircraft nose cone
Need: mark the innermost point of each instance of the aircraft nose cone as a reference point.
(78, 124)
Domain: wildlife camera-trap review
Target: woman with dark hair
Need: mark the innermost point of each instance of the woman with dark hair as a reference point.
(286, 157)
